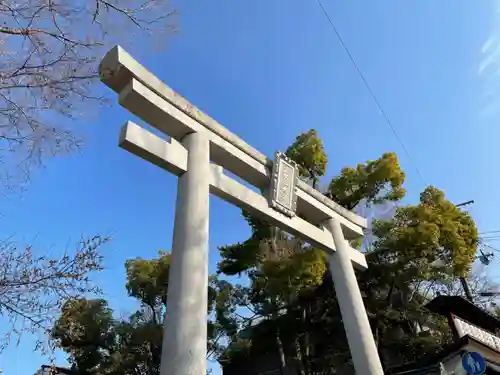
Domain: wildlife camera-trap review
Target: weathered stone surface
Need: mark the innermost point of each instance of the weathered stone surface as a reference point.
(326, 224)
(118, 69)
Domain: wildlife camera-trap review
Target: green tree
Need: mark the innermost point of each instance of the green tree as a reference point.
(284, 273)
(309, 154)
(417, 253)
(97, 342)
(281, 269)
(147, 281)
(224, 322)
(403, 271)
(419, 236)
(85, 327)
(374, 182)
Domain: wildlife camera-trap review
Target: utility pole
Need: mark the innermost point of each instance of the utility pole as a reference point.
(465, 286)
(485, 259)
(463, 280)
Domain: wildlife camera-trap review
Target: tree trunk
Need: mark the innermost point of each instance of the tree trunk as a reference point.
(312, 176)
(281, 350)
(299, 357)
(306, 313)
(275, 314)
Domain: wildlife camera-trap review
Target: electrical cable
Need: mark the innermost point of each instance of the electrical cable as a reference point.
(391, 125)
(372, 93)
(490, 232)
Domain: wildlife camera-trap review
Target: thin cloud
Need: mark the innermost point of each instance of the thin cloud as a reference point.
(491, 48)
(492, 55)
(489, 66)
(486, 46)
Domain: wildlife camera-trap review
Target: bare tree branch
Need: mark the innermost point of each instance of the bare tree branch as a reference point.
(48, 70)
(33, 288)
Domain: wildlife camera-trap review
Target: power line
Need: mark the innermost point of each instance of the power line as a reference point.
(489, 238)
(491, 247)
(489, 232)
(372, 94)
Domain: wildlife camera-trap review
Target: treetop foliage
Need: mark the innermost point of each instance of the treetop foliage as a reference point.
(309, 154)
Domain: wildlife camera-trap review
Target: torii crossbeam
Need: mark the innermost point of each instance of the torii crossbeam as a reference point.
(198, 152)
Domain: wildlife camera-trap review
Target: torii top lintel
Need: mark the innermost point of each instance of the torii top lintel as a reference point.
(143, 94)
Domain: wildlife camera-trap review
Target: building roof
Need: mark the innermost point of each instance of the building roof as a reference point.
(433, 362)
(429, 361)
(463, 308)
(55, 369)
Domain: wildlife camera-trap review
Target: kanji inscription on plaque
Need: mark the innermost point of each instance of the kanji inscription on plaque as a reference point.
(283, 197)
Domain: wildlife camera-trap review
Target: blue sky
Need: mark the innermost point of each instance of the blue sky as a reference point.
(268, 70)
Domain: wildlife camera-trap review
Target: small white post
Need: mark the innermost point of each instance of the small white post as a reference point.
(357, 327)
(185, 329)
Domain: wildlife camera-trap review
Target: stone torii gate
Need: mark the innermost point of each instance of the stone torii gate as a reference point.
(198, 152)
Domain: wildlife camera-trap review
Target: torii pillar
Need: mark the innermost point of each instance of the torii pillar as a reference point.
(198, 151)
